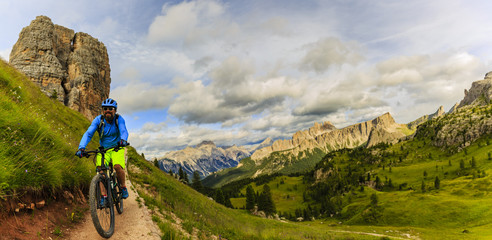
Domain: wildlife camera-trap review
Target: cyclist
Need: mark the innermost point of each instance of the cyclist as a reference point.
(112, 132)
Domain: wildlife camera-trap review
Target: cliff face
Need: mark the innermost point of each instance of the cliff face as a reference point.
(71, 67)
(327, 138)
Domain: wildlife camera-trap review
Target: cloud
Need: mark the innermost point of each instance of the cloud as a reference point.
(329, 52)
(234, 91)
(5, 54)
(142, 96)
(184, 22)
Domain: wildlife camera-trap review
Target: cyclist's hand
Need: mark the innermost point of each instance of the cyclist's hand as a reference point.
(123, 143)
(80, 153)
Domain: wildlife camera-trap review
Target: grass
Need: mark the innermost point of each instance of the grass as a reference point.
(167, 196)
(38, 139)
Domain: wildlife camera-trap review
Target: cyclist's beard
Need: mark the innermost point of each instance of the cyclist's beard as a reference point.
(109, 117)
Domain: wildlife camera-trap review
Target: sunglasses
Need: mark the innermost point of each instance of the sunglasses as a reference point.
(108, 108)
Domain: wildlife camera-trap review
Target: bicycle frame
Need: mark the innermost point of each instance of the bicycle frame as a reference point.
(103, 169)
(105, 178)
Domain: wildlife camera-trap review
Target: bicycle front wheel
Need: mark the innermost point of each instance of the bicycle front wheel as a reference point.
(117, 198)
(102, 215)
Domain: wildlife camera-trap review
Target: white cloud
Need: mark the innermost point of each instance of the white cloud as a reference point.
(186, 21)
(5, 54)
(329, 52)
(142, 96)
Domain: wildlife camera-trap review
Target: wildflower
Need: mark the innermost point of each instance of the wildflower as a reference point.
(26, 170)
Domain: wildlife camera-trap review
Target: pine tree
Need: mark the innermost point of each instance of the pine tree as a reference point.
(437, 183)
(227, 201)
(378, 183)
(219, 196)
(374, 200)
(197, 182)
(181, 173)
(250, 198)
(265, 201)
(156, 163)
(186, 179)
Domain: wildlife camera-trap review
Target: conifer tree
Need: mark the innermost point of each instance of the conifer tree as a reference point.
(197, 182)
(250, 198)
(219, 196)
(378, 183)
(265, 201)
(437, 183)
(374, 200)
(227, 201)
(156, 163)
(181, 173)
(186, 179)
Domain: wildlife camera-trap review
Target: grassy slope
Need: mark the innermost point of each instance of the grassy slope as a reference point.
(276, 161)
(165, 195)
(463, 201)
(38, 138)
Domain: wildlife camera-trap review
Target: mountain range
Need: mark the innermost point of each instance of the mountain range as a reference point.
(207, 158)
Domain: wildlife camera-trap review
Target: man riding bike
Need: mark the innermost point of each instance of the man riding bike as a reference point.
(112, 132)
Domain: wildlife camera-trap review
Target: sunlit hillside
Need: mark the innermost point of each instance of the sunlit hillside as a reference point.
(38, 138)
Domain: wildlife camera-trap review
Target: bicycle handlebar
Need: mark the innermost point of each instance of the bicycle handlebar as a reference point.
(101, 149)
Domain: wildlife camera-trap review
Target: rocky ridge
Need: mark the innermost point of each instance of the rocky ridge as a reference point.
(205, 158)
(470, 121)
(480, 92)
(70, 67)
(425, 118)
(327, 137)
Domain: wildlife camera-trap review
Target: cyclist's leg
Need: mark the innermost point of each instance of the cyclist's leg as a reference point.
(119, 165)
(101, 184)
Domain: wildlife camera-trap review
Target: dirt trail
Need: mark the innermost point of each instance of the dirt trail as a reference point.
(133, 223)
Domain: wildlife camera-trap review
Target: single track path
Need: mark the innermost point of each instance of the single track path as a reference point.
(134, 223)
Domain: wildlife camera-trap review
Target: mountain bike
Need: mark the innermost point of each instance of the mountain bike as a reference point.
(103, 215)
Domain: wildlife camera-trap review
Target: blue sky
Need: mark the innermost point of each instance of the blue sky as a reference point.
(237, 72)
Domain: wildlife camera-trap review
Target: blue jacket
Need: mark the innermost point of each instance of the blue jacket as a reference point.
(111, 137)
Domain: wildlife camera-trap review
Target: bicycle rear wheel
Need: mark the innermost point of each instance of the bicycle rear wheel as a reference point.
(102, 216)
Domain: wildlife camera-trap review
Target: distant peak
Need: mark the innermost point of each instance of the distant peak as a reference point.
(206, 142)
(267, 141)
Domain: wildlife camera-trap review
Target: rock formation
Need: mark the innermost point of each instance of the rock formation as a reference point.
(425, 118)
(71, 67)
(480, 92)
(327, 138)
(469, 122)
(300, 141)
(205, 158)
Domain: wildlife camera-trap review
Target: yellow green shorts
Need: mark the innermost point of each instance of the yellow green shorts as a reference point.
(116, 157)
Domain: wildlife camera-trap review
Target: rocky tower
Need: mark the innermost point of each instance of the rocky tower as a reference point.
(71, 67)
